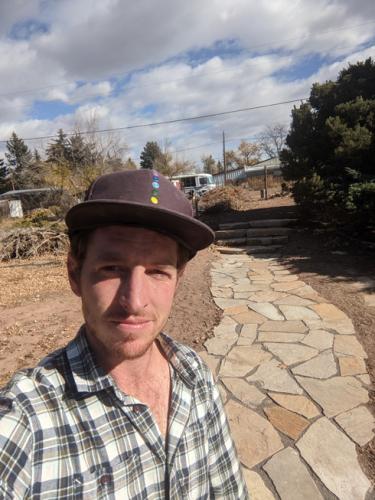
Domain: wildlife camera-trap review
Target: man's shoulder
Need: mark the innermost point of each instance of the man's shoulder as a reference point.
(30, 383)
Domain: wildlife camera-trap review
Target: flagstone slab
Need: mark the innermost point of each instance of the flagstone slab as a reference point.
(291, 353)
(358, 424)
(329, 312)
(280, 272)
(307, 291)
(211, 361)
(283, 326)
(348, 344)
(222, 282)
(220, 345)
(369, 299)
(258, 265)
(286, 287)
(286, 278)
(273, 376)
(226, 330)
(319, 339)
(296, 403)
(247, 335)
(291, 477)
(266, 309)
(280, 337)
(228, 303)
(261, 278)
(350, 365)
(255, 438)
(256, 486)
(365, 379)
(333, 458)
(335, 395)
(298, 313)
(249, 331)
(245, 341)
(243, 359)
(224, 293)
(267, 296)
(241, 295)
(322, 366)
(226, 320)
(250, 287)
(343, 327)
(249, 317)
(236, 310)
(247, 393)
(223, 393)
(286, 421)
(294, 300)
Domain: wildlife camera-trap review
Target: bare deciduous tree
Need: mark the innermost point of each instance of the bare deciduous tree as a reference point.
(272, 139)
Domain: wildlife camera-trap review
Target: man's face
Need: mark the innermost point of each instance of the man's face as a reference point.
(127, 283)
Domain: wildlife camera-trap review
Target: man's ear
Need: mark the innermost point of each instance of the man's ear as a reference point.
(74, 275)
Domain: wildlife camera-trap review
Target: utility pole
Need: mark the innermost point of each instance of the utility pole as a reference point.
(224, 160)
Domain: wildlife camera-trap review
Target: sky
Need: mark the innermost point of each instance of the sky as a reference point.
(115, 64)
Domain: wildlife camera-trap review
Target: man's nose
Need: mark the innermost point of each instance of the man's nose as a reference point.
(133, 290)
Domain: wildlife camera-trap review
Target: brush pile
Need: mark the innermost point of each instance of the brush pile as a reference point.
(25, 243)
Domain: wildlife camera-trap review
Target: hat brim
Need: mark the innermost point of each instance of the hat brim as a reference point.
(190, 232)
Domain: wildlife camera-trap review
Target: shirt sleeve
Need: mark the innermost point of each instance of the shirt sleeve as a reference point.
(226, 479)
(15, 452)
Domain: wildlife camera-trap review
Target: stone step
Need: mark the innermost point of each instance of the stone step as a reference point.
(231, 250)
(268, 240)
(272, 223)
(230, 233)
(231, 242)
(234, 225)
(258, 223)
(268, 231)
(262, 249)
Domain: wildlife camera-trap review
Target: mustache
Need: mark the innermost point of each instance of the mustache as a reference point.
(118, 315)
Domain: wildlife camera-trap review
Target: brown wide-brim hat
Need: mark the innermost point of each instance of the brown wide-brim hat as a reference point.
(140, 198)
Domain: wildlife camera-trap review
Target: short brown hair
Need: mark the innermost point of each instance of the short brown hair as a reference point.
(79, 242)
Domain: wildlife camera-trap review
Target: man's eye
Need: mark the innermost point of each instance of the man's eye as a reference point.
(159, 273)
(111, 269)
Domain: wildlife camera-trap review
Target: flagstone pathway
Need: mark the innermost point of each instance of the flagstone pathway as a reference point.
(293, 378)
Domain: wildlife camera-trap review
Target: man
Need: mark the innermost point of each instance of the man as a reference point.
(122, 411)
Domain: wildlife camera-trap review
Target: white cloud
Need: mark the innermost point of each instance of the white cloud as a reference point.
(177, 68)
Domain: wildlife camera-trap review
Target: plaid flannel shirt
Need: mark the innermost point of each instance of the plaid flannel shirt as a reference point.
(67, 431)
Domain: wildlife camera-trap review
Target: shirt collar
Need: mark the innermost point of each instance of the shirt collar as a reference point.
(88, 377)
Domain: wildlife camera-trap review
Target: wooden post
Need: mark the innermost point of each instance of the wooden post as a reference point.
(265, 183)
(224, 160)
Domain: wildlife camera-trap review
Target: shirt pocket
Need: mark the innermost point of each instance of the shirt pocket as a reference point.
(101, 482)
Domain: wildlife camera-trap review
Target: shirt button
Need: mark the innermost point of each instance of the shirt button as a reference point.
(105, 479)
(137, 409)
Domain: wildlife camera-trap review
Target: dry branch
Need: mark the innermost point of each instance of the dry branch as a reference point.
(32, 242)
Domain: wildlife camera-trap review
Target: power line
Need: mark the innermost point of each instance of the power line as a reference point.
(166, 122)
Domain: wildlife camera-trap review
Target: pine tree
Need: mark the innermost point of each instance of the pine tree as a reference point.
(19, 159)
(331, 149)
(58, 150)
(80, 152)
(4, 179)
(151, 152)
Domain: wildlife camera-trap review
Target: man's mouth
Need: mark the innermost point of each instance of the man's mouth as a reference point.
(131, 323)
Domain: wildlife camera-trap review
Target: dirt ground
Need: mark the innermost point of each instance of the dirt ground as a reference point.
(38, 313)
